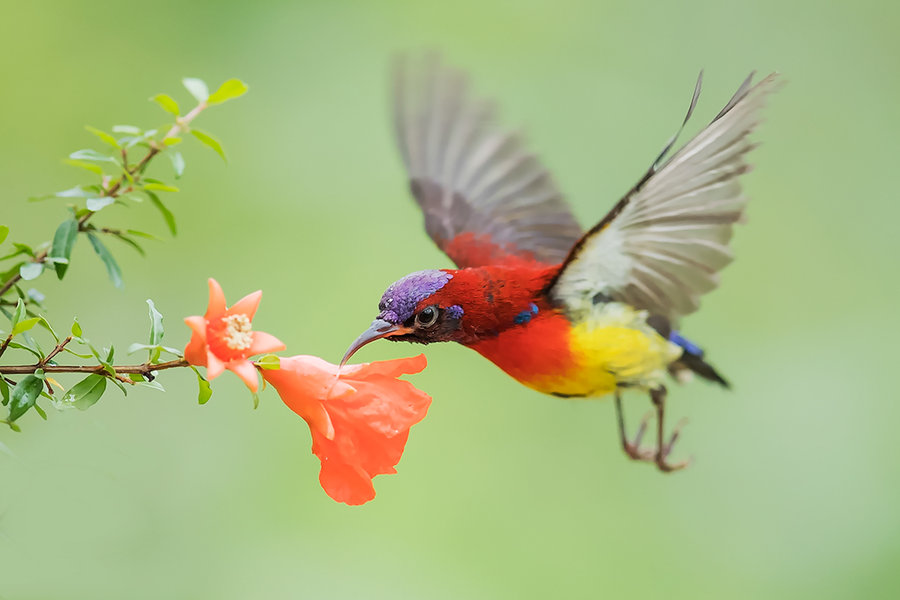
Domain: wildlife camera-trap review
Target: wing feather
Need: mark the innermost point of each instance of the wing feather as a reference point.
(662, 245)
(474, 182)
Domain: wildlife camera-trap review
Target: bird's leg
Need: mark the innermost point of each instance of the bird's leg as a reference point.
(633, 447)
(663, 449)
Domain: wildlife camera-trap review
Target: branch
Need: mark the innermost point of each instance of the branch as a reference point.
(114, 191)
(144, 369)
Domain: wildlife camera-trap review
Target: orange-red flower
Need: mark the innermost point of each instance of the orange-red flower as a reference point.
(359, 416)
(223, 338)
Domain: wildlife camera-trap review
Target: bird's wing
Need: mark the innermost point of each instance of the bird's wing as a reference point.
(485, 198)
(660, 248)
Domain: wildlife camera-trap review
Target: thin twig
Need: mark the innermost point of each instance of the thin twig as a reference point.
(5, 344)
(143, 369)
(55, 351)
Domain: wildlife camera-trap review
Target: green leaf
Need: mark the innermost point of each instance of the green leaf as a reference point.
(24, 395)
(89, 154)
(166, 213)
(23, 248)
(210, 141)
(197, 88)
(40, 411)
(25, 325)
(130, 242)
(95, 204)
(167, 103)
(233, 88)
(84, 165)
(156, 324)
(26, 348)
(31, 270)
(112, 267)
(4, 391)
(160, 187)
(142, 234)
(18, 314)
(171, 141)
(177, 163)
(76, 328)
(63, 241)
(4, 231)
(46, 325)
(270, 362)
(108, 139)
(255, 400)
(129, 129)
(205, 391)
(85, 393)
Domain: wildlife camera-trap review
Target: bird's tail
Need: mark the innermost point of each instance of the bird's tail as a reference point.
(691, 361)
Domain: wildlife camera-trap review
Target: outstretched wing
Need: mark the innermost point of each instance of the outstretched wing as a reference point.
(486, 200)
(660, 248)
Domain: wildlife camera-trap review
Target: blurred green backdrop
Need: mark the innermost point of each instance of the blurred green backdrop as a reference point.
(502, 493)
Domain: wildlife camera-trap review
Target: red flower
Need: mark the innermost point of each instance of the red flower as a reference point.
(223, 338)
(359, 416)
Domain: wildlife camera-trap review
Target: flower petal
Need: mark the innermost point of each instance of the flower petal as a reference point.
(304, 382)
(263, 343)
(390, 368)
(246, 371)
(246, 305)
(214, 367)
(216, 306)
(195, 351)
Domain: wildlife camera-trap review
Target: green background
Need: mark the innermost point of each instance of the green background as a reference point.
(502, 493)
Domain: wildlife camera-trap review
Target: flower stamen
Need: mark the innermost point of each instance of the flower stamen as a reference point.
(238, 332)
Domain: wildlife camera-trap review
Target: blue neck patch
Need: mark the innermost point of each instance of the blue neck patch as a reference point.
(401, 298)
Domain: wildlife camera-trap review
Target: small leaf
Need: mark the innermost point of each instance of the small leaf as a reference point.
(233, 88)
(63, 241)
(129, 129)
(160, 187)
(269, 362)
(95, 204)
(18, 314)
(197, 88)
(108, 139)
(31, 270)
(4, 231)
(255, 400)
(40, 411)
(4, 391)
(171, 141)
(76, 328)
(205, 391)
(112, 267)
(84, 165)
(154, 385)
(25, 325)
(156, 324)
(23, 248)
(85, 393)
(210, 141)
(130, 242)
(167, 103)
(177, 163)
(166, 213)
(142, 234)
(89, 154)
(46, 325)
(75, 192)
(24, 395)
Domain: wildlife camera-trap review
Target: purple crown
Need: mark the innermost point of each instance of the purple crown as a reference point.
(401, 298)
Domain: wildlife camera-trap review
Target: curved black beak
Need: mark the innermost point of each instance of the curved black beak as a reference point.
(377, 330)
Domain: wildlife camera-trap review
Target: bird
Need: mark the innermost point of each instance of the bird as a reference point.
(564, 311)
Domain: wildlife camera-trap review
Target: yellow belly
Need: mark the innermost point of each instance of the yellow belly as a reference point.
(612, 347)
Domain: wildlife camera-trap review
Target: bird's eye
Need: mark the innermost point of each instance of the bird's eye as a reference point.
(427, 316)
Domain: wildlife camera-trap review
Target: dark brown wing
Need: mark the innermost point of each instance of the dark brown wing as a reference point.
(662, 245)
(486, 200)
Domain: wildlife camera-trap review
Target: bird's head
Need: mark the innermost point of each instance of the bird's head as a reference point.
(413, 309)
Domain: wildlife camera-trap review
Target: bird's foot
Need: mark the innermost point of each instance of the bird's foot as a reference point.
(662, 453)
(633, 447)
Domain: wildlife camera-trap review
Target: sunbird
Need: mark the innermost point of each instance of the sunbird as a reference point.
(566, 312)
